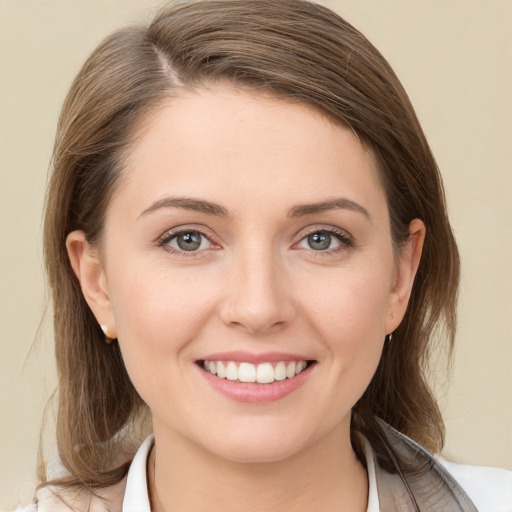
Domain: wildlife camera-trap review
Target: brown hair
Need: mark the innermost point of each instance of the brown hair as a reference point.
(292, 49)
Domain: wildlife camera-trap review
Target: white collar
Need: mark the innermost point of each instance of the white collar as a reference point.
(136, 498)
(373, 495)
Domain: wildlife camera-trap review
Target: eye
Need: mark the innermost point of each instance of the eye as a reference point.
(187, 241)
(320, 241)
(324, 240)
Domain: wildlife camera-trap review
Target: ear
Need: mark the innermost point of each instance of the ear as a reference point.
(88, 268)
(406, 271)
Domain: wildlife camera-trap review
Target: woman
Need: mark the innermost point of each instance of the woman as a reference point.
(246, 236)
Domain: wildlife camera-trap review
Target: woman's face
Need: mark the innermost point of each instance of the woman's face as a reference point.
(252, 232)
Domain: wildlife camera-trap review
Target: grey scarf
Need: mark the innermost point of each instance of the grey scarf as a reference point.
(409, 479)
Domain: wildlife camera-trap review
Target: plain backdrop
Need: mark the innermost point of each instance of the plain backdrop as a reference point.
(454, 58)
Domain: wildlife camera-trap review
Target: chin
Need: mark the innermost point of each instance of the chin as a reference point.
(256, 451)
(259, 442)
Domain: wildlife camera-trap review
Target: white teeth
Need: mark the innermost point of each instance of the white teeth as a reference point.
(264, 373)
(280, 371)
(290, 370)
(221, 370)
(232, 371)
(247, 372)
(300, 366)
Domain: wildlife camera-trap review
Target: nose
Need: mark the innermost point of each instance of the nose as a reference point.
(258, 295)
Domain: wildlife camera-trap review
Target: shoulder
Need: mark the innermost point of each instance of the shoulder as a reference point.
(51, 499)
(132, 487)
(490, 489)
(31, 507)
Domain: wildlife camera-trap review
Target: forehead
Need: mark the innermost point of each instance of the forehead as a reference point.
(225, 144)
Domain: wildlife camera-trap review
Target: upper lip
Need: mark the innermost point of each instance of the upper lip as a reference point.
(240, 356)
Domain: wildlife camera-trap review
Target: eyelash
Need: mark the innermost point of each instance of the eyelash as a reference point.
(346, 241)
(167, 237)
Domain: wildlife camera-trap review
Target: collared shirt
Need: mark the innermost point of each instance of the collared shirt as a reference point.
(489, 488)
(136, 498)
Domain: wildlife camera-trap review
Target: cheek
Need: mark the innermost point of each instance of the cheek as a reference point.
(349, 313)
(157, 314)
(350, 305)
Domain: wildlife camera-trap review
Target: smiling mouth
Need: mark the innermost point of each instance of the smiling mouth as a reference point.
(263, 373)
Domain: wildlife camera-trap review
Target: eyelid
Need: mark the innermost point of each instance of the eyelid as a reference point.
(345, 238)
(164, 239)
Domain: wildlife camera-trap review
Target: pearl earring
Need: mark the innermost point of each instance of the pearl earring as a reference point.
(108, 339)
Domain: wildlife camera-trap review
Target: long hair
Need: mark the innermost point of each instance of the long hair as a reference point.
(292, 49)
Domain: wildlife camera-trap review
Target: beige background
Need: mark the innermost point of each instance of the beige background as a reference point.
(454, 59)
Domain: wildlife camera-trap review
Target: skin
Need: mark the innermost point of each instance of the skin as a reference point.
(255, 284)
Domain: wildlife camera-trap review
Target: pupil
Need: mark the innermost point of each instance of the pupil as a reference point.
(319, 241)
(189, 241)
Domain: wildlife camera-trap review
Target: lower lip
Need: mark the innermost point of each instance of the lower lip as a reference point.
(252, 392)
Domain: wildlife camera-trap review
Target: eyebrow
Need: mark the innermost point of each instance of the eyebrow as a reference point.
(187, 203)
(331, 204)
(199, 205)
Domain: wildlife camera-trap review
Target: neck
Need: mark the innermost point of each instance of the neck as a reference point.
(326, 476)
